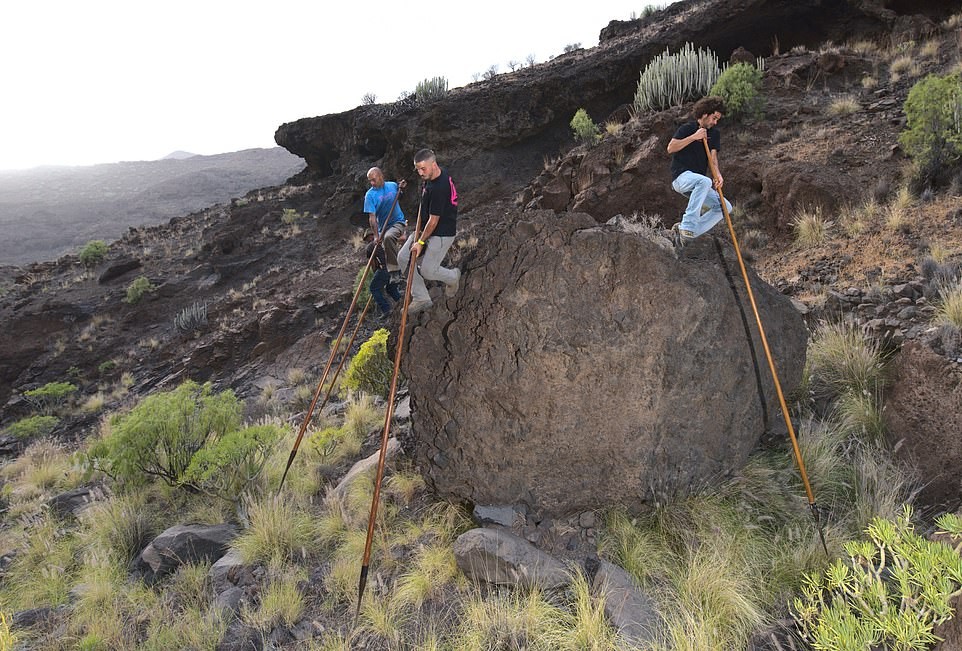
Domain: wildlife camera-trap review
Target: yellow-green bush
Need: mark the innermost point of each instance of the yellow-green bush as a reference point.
(370, 370)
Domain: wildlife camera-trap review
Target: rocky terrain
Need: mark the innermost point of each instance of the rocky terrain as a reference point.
(272, 273)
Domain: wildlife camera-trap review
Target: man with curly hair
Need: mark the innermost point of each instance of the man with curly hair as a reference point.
(690, 171)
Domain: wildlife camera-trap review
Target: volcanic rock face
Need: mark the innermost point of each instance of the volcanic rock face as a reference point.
(494, 134)
(923, 415)
(584, 365)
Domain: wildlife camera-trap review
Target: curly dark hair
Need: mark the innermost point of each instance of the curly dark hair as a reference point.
(707, 105)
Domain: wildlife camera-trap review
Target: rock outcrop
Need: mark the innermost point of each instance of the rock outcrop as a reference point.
(495, 133)
(923, 416)
(584, 366)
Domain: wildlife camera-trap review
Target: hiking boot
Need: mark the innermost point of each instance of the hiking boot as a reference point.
(680, 236)
(418, 306)
(452, 288)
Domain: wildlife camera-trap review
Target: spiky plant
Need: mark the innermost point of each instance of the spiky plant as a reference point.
(672, 79)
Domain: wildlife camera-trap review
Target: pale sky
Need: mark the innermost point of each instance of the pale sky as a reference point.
(100, 81)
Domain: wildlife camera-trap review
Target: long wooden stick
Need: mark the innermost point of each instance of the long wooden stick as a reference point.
(768, 353)
(388, 416)
(334, 349)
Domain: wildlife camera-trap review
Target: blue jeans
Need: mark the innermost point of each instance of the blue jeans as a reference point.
(698, 189)
(381, 281)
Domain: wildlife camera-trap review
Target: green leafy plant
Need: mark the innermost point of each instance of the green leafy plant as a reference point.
(933, 134)
(50, 396)
(229, 466)
(160, 436)
(93, 253)
(740, 85)
(32, 427)
(891, 591)
(584, 128)
(430, 90)
(137, 289)
(672, 79)
(370, 370)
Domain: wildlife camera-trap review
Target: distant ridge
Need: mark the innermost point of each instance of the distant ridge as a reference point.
(178, 155)
(48, 211)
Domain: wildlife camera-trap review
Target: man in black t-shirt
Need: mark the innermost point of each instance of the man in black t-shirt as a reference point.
(690, 172)
(439, 215)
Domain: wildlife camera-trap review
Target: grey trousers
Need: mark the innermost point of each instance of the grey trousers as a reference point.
(390, 239)
(430, 266)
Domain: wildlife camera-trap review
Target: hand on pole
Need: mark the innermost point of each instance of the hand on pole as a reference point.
(402, 184)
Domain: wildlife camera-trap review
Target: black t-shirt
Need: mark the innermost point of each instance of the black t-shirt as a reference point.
(693, 158)
(441, 198)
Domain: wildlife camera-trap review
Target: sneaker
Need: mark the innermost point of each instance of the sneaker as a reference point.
(680, 236)
(418, 306)
(452, 288)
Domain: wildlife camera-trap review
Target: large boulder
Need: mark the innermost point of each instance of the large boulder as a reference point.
(584, 366)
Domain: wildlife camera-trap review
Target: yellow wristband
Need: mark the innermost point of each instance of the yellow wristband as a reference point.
(421, 242)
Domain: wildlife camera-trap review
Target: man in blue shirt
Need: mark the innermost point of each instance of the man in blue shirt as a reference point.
(690, 171)
(381, 209)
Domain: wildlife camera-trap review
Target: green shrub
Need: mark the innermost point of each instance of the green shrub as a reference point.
(93, 253)
(430, 90)
(230, 466)
(891, 591)
(161, 435)
(290, 216)
(933, 134)
(32, 427)
(739, 86)
(672, 79)
(584, 128)
(50, 396)
(136, 290)
(365, 294)
(370, 370)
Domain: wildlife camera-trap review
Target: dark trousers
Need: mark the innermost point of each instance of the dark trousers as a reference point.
(381, 282)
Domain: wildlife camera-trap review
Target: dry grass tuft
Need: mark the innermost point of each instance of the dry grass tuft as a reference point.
(843, 106)
(811, 228)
